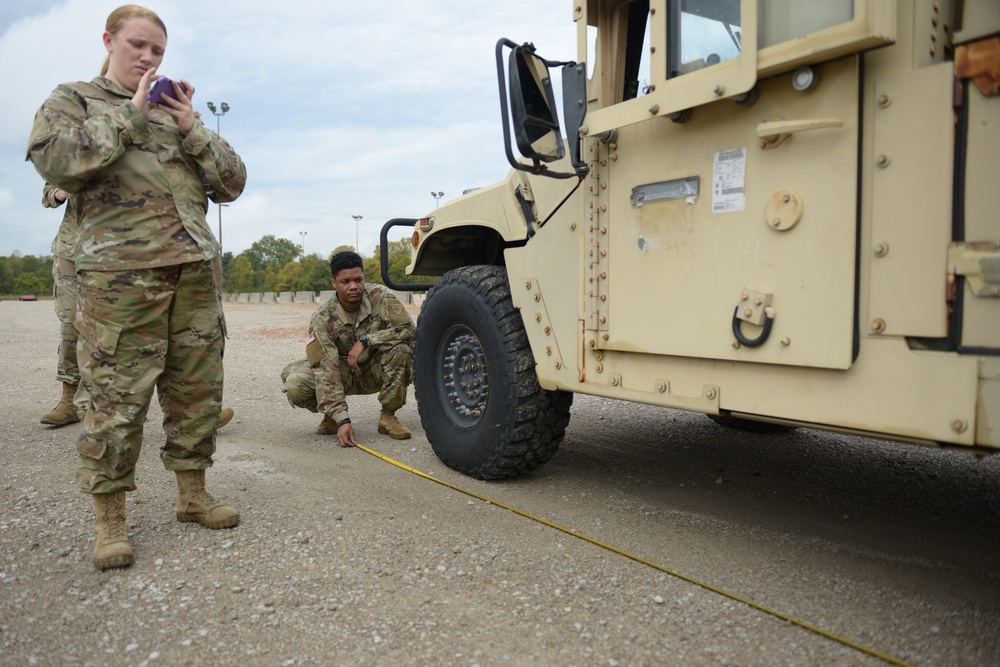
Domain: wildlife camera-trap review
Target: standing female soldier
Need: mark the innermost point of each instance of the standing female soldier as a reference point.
(149, 311)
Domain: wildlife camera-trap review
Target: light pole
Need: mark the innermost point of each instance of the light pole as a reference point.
(218, 126)
(220, 226)
(357, 244)
(437, 198)
(303, 235)
(218, 114)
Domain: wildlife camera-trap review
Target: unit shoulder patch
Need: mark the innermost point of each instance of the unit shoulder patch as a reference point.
(397, 311)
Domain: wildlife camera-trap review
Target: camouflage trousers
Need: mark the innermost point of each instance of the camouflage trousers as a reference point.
(387, 373)
(142, 330)
(67, 291)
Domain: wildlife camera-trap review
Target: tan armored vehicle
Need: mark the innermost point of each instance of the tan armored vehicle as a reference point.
(775, 212)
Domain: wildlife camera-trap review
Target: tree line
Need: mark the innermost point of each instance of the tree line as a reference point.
(277, 265)
(269, 265)
(25, 274)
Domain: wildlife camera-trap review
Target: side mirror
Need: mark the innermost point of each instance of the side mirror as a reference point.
(533, 107)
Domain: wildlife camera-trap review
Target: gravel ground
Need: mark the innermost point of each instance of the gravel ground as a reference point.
(342, 558)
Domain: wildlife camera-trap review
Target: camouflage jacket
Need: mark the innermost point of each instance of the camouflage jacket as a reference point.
(381, 317)
(137, 182)
(64, 244)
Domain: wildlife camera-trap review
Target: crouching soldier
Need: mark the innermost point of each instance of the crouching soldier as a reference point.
(360, 342)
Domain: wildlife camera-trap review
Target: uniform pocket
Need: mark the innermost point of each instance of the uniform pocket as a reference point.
(100, 333)
(91, 449)
(96, 348)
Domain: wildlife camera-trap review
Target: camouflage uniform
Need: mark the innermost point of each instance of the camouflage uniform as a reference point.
(322, 381)
(66, 283)
(150, 309)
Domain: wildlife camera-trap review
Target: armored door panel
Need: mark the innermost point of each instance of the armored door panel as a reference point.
(739, 224)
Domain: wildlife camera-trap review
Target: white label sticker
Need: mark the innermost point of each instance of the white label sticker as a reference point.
(728, 180)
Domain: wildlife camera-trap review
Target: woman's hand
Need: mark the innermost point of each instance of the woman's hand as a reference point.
(141, 97)
(180, 109)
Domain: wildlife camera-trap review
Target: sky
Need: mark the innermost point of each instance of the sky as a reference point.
(337, 108)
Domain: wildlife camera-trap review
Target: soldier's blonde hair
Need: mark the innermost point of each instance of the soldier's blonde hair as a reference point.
(117, 18)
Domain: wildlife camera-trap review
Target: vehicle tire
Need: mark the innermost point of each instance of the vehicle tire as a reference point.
(749, 425)
(474, 376)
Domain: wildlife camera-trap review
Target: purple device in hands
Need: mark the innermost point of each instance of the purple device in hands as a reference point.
(163, 87)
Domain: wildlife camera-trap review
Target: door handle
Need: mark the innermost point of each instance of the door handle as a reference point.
(775, 132)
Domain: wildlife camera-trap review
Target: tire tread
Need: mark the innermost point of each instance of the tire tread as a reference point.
(535, 419)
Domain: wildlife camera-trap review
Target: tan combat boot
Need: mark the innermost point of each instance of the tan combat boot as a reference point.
(225, 416)
(327, 426)
(64, 412)
(387, 423)
(194, 503)
(111, 547)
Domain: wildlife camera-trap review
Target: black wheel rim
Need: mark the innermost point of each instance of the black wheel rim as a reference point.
(463, 379)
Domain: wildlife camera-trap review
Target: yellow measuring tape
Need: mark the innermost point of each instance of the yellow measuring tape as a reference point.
(678, 575)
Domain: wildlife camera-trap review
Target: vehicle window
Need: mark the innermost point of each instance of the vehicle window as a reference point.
(622, 46)
(781, 20)
(644, 62)
(637, 50)
(701, 33)
(591, 49)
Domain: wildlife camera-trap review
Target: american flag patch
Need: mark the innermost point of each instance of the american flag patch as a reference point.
(310, 338)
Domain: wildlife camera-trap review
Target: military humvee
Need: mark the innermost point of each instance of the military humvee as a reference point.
(778, 213)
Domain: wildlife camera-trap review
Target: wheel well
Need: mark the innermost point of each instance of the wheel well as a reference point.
(456, 247)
